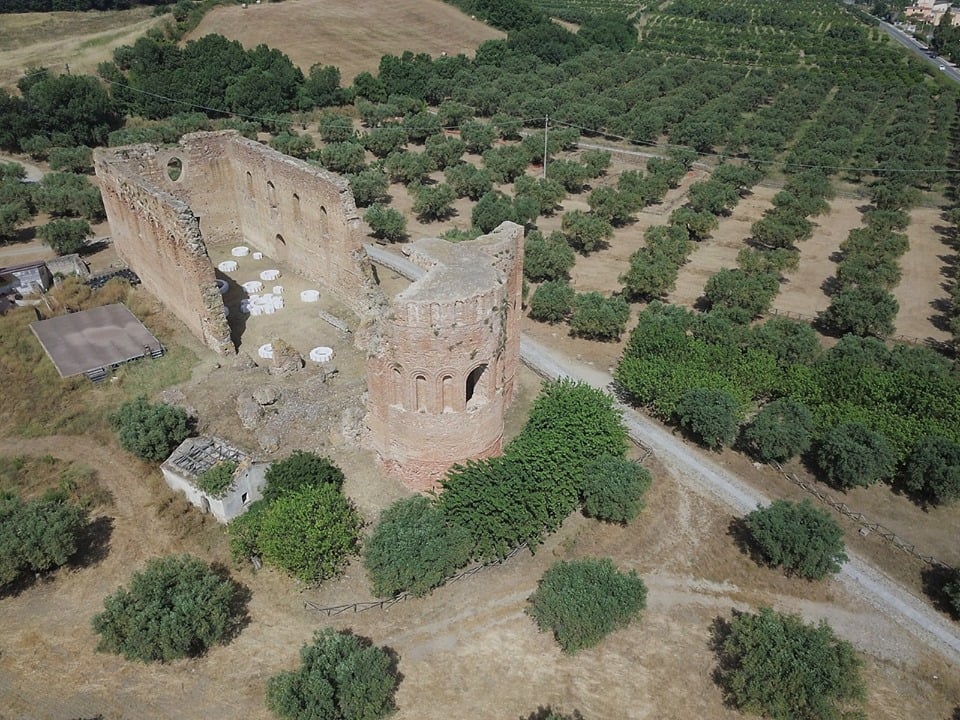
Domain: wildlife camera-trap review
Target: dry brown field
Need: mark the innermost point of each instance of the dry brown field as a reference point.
(58, 39)
(351, 35)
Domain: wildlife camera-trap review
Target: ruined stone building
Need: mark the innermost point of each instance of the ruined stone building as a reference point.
(442, 354)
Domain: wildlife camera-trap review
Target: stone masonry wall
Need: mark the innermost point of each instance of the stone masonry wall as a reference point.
(158, 236)
(446, 356)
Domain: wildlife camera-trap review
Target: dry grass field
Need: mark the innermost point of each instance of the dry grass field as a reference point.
(54, 40)
(351, 35)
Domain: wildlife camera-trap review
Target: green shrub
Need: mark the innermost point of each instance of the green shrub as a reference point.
(583, 601)
(850, 455)
(798, 537)
(413, 548)
(341, 677)
(709, 415)
(776, 666)
(176, 607)
(300, 469)
(932, 470)
(552, 301)
(597, 317)
(150, 431)
(37, 535)
(613, 488)
(217, 480)
(781, 430)
(309, 532)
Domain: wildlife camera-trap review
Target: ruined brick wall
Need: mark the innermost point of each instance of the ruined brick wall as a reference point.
(158, 236)
(229, 190)
(247, 193)
(445, 357)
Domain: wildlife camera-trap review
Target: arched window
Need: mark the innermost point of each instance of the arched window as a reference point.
(474, 385)
(397, 387)
(271, 194)
(420, 393)
(446, 393)
(250, 184)
(296, 208)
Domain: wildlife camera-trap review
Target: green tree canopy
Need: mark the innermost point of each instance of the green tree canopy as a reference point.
(547, 257)
(734, 289)
(37, 535)
(775, 665)
(597, 317)
(710, 415)
(65, 236)
(176, 607)
(433, 202)
(586, 232)
(552, 301)
(308, 532)
(413, 548)
(583, 601)
(341, 677)
(468, 180)
(386, 223)
(932, 470)
(850, 455)
(369, 186)
(798, 537)
(862, 311)
(491, 210)
(300, 469)
(781, 430)
(385, 141)
(614, 488)
(150, 431)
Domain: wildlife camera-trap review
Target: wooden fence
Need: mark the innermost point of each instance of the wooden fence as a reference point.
(866, 526)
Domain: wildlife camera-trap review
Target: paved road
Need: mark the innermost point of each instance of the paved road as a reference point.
(913, 46)
(694, 468)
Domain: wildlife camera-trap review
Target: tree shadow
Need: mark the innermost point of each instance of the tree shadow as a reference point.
(742, 538)
(545, 712)
(934, 580)
(239, 613)
(93, 543)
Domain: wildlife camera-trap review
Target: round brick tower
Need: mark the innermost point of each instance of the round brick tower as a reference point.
(447, 350)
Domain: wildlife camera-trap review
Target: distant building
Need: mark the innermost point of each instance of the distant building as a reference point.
(932, 12)
(33, 277)
(194, 456)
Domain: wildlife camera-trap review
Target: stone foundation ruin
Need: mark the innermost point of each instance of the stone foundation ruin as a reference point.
(442, 354)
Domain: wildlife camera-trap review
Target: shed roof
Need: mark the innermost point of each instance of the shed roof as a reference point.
(85, 341)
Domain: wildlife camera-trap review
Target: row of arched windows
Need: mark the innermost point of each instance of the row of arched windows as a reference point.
(444, 393)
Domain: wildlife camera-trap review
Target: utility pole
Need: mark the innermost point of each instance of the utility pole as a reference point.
(546, 125)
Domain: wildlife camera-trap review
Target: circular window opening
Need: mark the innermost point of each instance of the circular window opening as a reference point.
(175, 169)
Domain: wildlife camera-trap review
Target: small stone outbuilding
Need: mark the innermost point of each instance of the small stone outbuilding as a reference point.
(194, 456)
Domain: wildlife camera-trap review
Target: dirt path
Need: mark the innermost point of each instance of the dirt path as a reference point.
(922, 289)
(802, 292)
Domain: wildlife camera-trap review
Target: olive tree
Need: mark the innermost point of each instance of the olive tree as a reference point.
(341, 677)
(798, 537)
(178, 606)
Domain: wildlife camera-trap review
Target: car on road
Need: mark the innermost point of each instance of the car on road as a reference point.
(943, 67)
